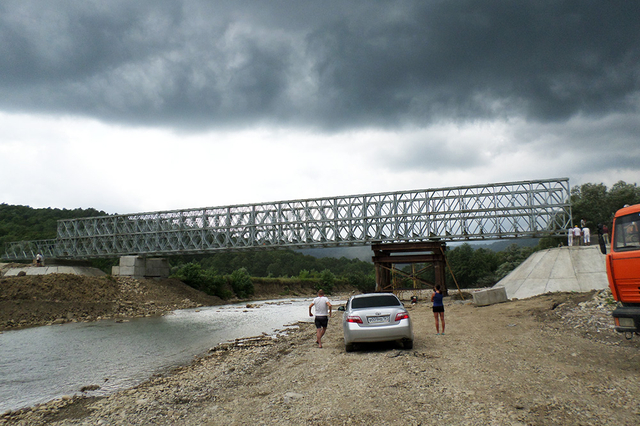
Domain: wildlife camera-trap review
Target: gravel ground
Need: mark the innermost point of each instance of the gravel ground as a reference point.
(549, 360)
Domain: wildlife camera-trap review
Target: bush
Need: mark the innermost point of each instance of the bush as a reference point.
(304, 274)
(191, 274)
(241, 283)
(364, 283)
(327, 281)
(206, 281)
(216, 285)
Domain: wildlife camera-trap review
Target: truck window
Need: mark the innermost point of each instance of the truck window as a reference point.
(627, 234)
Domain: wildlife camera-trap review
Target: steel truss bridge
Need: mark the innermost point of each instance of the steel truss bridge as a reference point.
(534, 208)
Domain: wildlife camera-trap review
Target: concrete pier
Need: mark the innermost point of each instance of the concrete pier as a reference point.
(139, 267)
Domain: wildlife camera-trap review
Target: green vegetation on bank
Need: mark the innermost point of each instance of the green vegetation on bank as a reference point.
(226, 274)
(22, 223)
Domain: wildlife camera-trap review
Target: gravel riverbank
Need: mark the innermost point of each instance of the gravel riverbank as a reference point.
(549, 360)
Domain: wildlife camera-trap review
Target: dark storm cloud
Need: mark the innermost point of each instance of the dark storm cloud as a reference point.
(329, 65)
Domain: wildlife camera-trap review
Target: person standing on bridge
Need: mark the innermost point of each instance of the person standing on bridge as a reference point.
(323, 311)
(577, 235)
(438, 309)
(586, 236)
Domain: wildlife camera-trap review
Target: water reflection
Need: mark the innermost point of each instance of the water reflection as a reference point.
(43, 363)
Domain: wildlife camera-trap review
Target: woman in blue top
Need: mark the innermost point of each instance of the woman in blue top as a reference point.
(438, 309)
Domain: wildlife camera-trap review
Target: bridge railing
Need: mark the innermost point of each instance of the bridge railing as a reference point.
(504, 210)
(27, 250)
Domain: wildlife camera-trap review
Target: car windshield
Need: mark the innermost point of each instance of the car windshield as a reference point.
(375, 301)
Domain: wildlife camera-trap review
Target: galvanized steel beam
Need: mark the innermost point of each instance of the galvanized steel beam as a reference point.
(533, 208)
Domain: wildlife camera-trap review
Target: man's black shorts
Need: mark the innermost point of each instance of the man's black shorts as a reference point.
(322, 322)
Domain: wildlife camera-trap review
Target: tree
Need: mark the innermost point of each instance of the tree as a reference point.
(484, 263)
(364, 283)
(589, 202)
(23, 223)
(458, 258)
(595, 204)
(510, 258)
(622, 193)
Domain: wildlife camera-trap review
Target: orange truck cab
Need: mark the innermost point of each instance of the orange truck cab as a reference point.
(623, 269)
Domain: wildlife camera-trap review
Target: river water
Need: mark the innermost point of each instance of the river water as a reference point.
(43, 363)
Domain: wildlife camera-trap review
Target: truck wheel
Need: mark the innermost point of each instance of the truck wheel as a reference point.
(407, 344)
(348, 347)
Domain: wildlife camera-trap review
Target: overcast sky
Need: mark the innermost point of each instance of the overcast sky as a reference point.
(131, 106)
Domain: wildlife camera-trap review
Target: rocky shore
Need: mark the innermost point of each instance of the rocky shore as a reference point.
(29, 301)
(36, 300)
(549, 360)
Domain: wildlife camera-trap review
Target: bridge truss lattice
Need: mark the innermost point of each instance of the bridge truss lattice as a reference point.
(532, 208)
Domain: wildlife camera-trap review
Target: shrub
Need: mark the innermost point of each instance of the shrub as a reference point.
(191, 274)
(207, 281)
(216, 285)
(304, 274)
(364, 283)
(241, 283)
(327, 281)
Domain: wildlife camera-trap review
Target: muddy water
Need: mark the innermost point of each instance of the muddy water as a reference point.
(44, 363)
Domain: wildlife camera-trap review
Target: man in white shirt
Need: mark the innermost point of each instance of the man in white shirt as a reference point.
(586, 236)
(323, 311)
(577, 235)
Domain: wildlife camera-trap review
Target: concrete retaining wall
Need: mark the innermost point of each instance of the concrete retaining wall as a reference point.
(45, 270)
(578, 269)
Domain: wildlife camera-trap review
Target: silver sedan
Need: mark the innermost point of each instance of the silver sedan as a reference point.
(376, 317)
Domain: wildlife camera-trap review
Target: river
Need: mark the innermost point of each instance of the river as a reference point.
(43, 363)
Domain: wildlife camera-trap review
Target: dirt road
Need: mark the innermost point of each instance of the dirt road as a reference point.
(549, 360)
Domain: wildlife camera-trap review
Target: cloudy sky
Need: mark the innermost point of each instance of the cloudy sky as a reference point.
(131, 106)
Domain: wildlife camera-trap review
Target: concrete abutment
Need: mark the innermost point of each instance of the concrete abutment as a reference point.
(141, 267)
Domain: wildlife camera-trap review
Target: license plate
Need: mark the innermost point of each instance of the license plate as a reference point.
(626, 322)
(377, 320)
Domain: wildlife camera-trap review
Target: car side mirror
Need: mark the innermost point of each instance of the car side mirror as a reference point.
(341, 308)
(603, 247)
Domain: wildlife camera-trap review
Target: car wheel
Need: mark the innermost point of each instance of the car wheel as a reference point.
(407, 344)
(348, 347)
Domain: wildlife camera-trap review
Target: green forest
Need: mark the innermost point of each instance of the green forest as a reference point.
(226, 273)
(23, 223)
